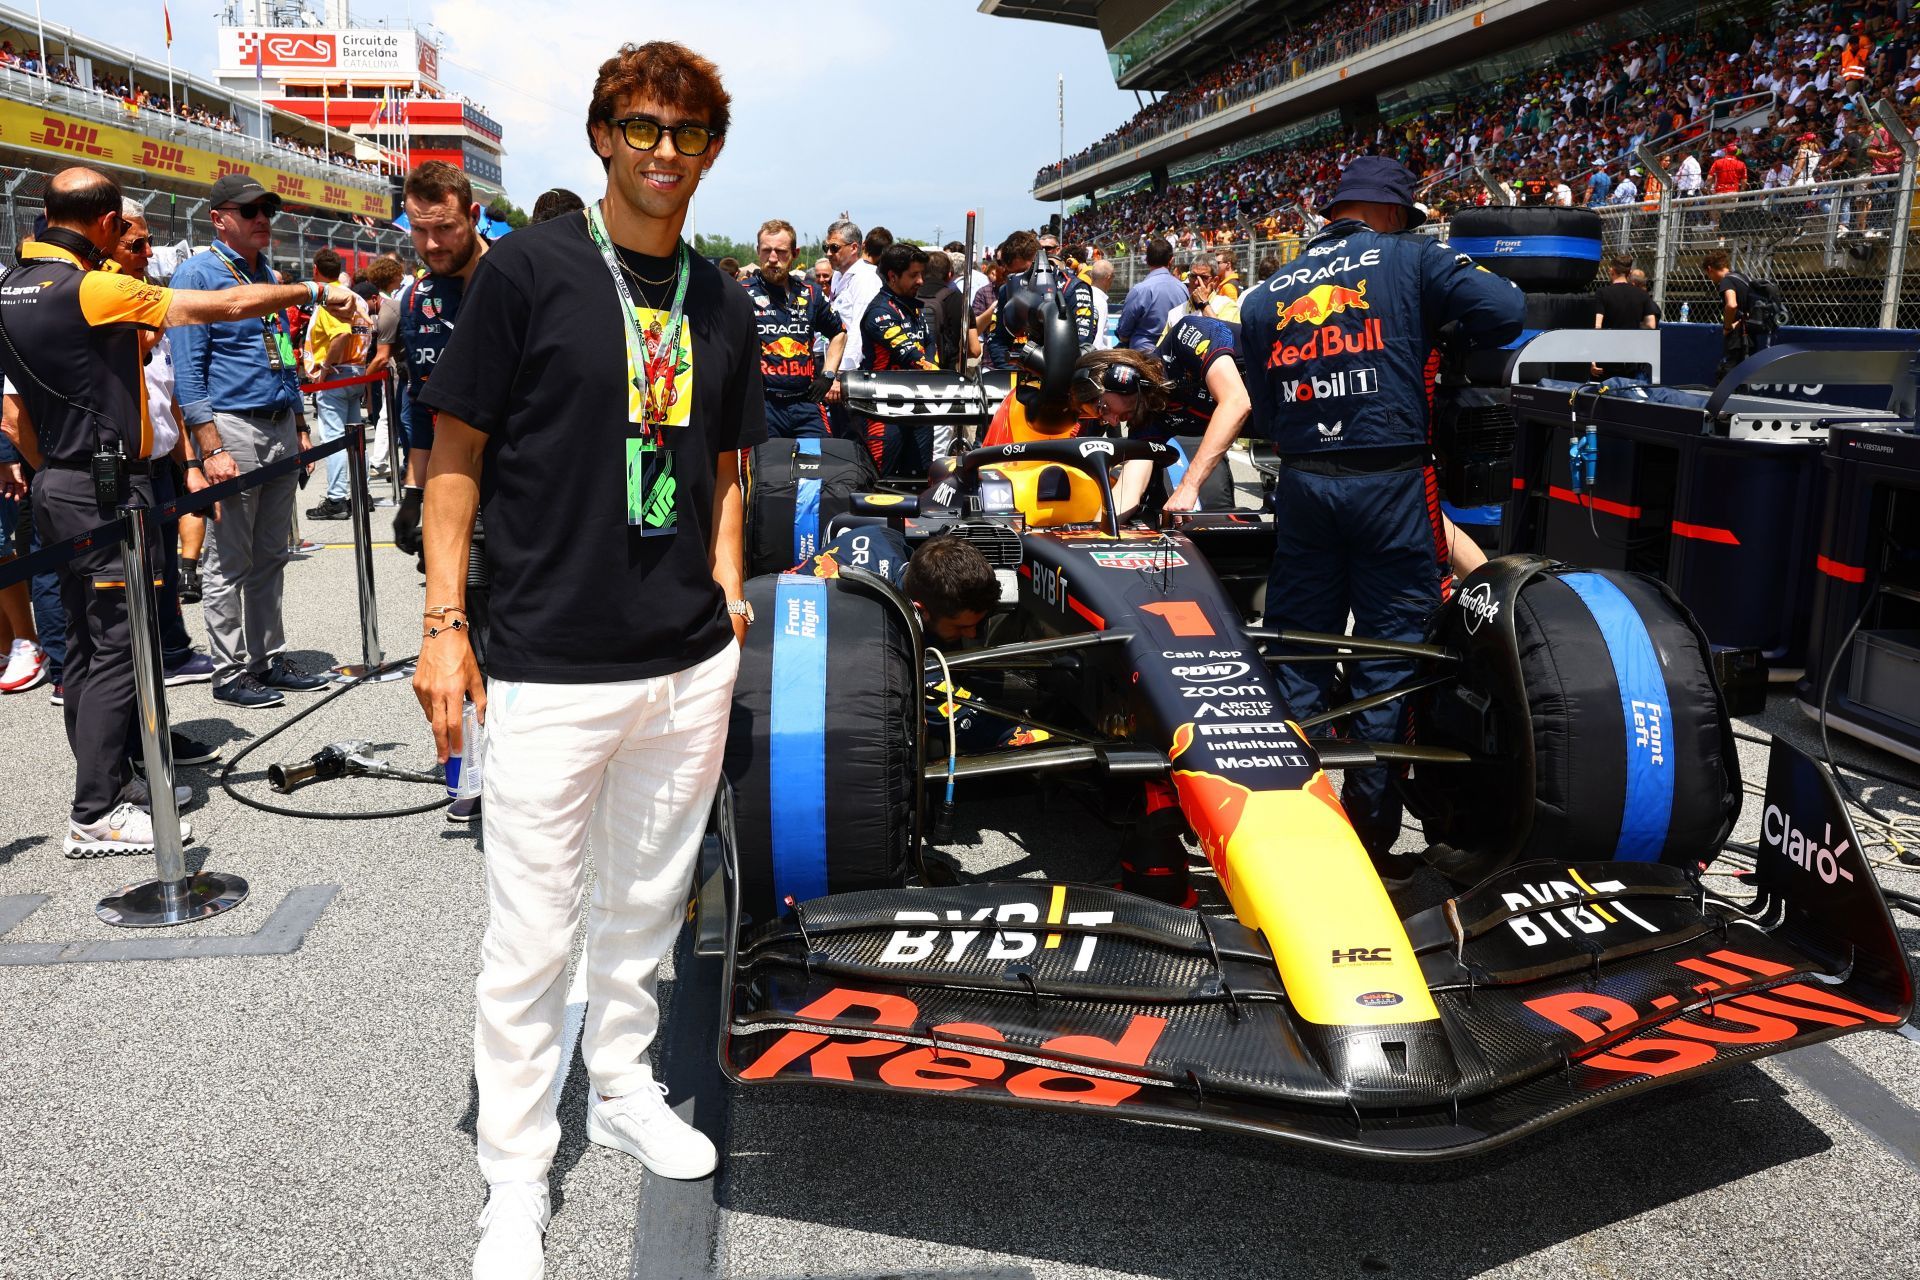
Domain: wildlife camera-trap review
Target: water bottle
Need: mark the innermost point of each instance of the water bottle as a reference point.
(473, 744)
(1684, 307)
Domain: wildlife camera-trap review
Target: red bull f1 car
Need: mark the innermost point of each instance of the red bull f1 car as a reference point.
(1580, 957)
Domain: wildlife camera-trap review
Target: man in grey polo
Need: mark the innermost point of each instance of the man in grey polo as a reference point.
(239, 393)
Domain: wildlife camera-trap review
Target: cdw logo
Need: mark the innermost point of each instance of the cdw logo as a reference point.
(155, 155)
(66, 135)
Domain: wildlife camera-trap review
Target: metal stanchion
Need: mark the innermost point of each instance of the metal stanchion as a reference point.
(173, 896)
(361, 517)
(396, 447)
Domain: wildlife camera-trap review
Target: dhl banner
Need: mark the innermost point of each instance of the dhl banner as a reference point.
(32, 128)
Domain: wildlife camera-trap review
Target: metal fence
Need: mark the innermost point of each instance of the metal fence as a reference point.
(1841, 251)
(175, 219)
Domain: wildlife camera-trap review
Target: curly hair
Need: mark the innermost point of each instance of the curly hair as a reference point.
(666, 72)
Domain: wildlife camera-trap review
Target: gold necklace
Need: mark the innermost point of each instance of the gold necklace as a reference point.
(640, 278)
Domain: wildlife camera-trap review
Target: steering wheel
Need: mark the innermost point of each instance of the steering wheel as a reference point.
(1092, 456)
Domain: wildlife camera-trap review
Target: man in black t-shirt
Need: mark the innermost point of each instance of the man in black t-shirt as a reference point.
(594, 402)
(1622, 304)
(1735, 296)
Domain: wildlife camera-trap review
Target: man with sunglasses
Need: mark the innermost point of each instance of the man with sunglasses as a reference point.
(791, 311)
(595, 398)
(238, 382)
(72, 357)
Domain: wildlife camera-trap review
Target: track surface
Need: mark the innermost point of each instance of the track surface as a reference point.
(311, 1114)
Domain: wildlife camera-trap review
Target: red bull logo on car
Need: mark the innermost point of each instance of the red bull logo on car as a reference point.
(1321, 303)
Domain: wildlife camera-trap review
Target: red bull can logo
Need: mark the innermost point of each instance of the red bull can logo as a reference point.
(1323, 302)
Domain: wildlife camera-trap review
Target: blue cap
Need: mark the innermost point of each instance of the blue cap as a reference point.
(1378, 180)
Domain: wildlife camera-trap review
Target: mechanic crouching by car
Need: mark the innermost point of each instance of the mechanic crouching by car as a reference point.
(789, 310)
(1341, 354)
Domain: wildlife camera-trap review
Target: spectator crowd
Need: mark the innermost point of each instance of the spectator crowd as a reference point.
(1749, 103)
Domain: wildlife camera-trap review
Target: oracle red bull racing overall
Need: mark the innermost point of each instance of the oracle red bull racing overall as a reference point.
(1575, 765)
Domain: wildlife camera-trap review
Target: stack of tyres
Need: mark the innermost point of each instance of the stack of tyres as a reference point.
(1553, 254)
(796, 488)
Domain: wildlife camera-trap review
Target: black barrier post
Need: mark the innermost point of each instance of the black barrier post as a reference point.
(173, 896)
(361, 517)
(396, 446)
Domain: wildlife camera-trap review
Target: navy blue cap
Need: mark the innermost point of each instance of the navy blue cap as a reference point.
(1378, 180)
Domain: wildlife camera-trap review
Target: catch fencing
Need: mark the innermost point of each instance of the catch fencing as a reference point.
(1841, 251)
(175, 219)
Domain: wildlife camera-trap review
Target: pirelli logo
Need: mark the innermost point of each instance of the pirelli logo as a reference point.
(56, 134)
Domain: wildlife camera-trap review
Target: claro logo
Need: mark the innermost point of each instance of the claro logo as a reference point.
(1822, 857)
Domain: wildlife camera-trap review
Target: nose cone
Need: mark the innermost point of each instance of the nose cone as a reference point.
(1410, 1064)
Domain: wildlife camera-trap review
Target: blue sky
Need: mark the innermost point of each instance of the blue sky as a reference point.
(905, 114)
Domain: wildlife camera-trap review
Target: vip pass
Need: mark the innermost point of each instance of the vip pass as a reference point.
(651, 486)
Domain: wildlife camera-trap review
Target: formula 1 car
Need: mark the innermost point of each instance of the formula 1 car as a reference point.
(1575, 770)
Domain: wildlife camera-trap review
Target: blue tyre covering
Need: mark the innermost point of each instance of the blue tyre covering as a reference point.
(823, 746)
(1590, 697)
(1542, 249)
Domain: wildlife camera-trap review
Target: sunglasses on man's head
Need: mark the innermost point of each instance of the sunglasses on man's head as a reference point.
(254, 209)
(643, 134)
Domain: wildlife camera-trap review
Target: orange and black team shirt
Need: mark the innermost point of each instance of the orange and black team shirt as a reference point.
(80, 330)
(896, 333)
(788, 315)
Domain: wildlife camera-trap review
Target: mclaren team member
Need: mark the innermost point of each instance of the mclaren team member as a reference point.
(1341, 354)
(445, 224)
(897, 333)
(72, 359)
(790, 310)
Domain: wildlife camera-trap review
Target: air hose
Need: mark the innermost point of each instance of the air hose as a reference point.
(261, 741)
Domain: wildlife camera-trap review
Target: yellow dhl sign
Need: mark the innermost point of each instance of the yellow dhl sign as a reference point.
(32, 128)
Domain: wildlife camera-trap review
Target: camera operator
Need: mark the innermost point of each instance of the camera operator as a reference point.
(72, 343)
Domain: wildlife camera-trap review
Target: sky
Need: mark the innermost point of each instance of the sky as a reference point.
(903, 114)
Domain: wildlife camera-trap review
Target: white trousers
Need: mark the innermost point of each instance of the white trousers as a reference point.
(628, 769)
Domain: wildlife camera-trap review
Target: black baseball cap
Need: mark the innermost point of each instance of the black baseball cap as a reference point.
(240, 188)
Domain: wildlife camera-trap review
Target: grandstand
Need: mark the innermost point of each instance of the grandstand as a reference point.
(1251, 129)
(165, 136)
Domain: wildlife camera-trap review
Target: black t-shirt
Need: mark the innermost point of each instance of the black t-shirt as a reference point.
(1621, 305)
(539, 364)
(1742, 290)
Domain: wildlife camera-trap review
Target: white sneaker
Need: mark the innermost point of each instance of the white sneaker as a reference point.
(642, 1125)
(512, 1226)
(26, 667)
(127, 829)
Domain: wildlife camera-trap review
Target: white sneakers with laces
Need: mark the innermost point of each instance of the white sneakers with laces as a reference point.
(26, 667)
(126, 829)
(513, 1227)
(642, 1125)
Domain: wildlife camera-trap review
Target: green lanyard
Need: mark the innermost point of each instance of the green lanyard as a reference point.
(669, 348)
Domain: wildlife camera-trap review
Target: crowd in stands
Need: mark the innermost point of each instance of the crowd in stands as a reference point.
(1771, 98)
(137, 98)
(1334, 32)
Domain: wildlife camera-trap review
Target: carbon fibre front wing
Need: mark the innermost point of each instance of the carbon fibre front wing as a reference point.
(1558, 987)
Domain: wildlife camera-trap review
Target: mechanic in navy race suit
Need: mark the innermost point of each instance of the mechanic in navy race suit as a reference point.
(1341, 350)
(897, 333)
(953, 587)
(789, 308)
(443, 219)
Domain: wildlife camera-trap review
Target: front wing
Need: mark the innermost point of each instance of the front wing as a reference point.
(1558, 987)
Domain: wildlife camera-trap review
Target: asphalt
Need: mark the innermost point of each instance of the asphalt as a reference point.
(311, 1114)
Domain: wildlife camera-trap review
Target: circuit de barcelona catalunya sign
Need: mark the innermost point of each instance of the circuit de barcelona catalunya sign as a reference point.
(31, 128)
(301, 51)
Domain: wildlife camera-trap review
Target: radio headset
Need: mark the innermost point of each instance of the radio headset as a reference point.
(109, 463)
